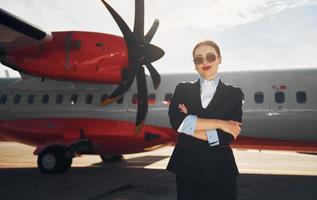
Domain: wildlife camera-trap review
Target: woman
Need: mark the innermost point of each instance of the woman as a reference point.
(207, 114)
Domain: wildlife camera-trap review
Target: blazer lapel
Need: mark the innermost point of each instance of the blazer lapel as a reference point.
(219, 96)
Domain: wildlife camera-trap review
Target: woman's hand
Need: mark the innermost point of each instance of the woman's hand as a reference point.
(232, 127)
(183, 108)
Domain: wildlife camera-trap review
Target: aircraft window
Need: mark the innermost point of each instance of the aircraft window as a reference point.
(31, 99)
(259, 97)
(45, 99)
(103, 97)
(17, 99)
(89, 98)
(301, 97)
(3, 99)
(279, 97)
(120, 100)
(73, 99)
(135, 99)
(59, 99)
(151, 98)
(168, 98)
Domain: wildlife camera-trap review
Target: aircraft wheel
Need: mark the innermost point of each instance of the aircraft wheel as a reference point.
(111, 158)
(53, 160)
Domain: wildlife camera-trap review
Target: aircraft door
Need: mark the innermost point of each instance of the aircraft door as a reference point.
(280, 98)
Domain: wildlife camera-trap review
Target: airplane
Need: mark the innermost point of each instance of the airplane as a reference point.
(72, 100)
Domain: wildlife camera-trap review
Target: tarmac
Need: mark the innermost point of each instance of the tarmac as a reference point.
(265, 175)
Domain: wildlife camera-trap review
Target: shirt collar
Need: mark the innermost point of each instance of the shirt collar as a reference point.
(214, 82)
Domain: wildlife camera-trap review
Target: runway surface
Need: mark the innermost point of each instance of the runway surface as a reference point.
(265, 175)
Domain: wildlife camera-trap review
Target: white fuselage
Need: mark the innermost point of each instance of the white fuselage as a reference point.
(266, 113)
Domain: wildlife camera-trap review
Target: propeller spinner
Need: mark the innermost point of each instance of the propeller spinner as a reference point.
(141, 53)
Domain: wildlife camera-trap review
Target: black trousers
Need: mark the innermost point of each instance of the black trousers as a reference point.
(189, 190)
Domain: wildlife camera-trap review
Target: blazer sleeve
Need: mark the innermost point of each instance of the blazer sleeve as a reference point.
(175, 116)
(235, 114)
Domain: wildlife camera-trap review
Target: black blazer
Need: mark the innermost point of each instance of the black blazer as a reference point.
(193, 158)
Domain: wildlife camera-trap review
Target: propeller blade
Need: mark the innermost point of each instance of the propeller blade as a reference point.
(139, 20)
(127, 33)
(156, 78)
(132, 44)
(142, 99)
(140, 53)
(152, 31)
(152, 53)
(124, 86)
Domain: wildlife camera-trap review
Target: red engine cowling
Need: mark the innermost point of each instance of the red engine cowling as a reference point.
(73, 55)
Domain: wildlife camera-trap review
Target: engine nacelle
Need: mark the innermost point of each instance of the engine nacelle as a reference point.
(74, 55)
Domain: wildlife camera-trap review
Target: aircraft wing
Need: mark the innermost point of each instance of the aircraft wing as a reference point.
(16, 33)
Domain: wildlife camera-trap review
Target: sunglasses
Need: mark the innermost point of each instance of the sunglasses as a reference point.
(209, 58)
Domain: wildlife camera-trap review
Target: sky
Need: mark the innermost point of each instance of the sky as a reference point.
(252, 34)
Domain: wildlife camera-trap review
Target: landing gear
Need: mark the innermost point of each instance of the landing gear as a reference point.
(111, 158)
(54, 160)
(58, 158)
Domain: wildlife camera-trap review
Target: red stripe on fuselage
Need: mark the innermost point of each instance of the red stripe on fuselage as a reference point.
(107, 136)
(118, 137)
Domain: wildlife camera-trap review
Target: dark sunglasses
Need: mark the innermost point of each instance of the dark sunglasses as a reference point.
(209, 58)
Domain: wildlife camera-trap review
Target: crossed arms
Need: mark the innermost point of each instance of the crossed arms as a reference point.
(228, 129)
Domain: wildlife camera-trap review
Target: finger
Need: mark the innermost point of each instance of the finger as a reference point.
(234, 133)
(237, 133)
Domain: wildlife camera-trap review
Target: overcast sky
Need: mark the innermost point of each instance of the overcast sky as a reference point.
(252, 34)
